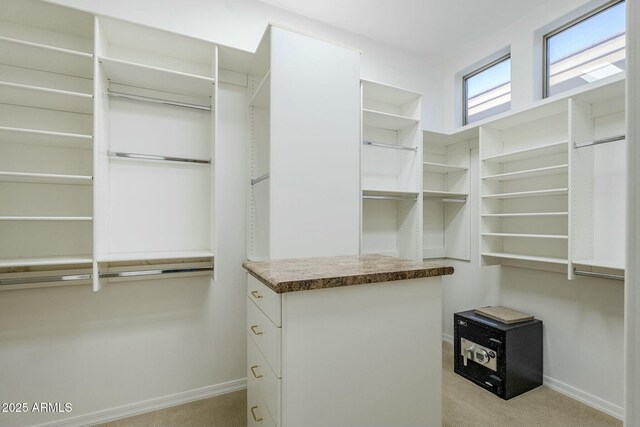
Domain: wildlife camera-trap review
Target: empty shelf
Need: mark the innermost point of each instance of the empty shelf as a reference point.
(525, 214)
(601, 263)
(38, 56)
(505, 255)
(45, 178)
(534, 193)
(527, 153)
(62, 260)
(442, 168)
(149, 77)
(144, 256)
(46, 218)
(536, 236)
(42, 97)
(530, 173)
(445, 194)
(44, 137)
(383, 120)
(262, 97)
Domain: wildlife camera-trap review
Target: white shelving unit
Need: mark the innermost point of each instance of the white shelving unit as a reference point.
(446, 183)
(598, 181)
(391, 171)
(155, 143)
(525, 189)
(46, 137)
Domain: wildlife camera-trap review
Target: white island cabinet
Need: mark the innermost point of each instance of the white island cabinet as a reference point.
(351, 341)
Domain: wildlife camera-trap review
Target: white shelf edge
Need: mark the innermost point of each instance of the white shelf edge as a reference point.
(158, 69)
(264, 81)
(46, 177)
(506, 255)
(525, 151)
(444, 193)
(46, 218)
(47, 90)
(524, 173)
(525, 214)
(597, 263)
(41, 261)
(409, 120)
(46, 133)
(141, 256)
(524, 235)
(443, 166)
(47, 47)
(533, 193)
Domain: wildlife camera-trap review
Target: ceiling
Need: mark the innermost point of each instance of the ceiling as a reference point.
(425, 26)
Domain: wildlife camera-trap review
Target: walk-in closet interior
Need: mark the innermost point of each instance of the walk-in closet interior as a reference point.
(268, 212)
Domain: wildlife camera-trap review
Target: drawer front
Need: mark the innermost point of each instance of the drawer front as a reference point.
(257, 413)
(265, 335)
(265, 298)
(264, 378)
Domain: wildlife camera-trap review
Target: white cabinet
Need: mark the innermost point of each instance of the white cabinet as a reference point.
(303, 114)
(391, 165)
(46, 139)
(446, 188)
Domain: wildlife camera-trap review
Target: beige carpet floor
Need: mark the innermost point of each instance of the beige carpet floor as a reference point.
(464, 405)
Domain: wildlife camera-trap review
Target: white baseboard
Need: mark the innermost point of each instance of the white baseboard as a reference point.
(149, 405)
(574, 393)
(584, 397)
(447, 338)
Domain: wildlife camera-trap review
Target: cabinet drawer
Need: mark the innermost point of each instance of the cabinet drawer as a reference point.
(257, 414)
(265, 298)
(265, 379)
(265, 335)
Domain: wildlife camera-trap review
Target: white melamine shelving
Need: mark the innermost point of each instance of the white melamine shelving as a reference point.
(43, 97)
(600, 263)
(526, 194)
(391, 170)
(443, 194)
(147, 256)
(46, 218)
(432, 167)
(529, 173)
(150, 77)
(262, 95)
(525, 214)
(52, 261)
(520, 257)
(528, 153)
(45, 138)
(530, 236)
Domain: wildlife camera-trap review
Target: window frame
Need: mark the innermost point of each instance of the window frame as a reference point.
(465, 115)
(558, 30)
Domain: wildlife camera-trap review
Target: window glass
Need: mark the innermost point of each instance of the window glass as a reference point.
(585, 51)
(487, 91)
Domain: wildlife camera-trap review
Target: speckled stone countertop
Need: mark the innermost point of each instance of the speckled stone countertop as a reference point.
(291, 275)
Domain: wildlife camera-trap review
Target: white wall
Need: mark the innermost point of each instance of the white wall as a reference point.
(241, 23)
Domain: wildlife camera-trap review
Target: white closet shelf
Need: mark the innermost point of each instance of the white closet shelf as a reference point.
(261, 98)
(445, 194)
(442, 168)
(379, 119)
(523, 194)
(600, 263)
(506, 255)
(42, 97)
(156, 78)
(145, 256)
(527, 153)
(529, 173)
(523, 235)
(46, 138)
(387, 193)
(44, 57)
(45, 178)
(525, 214)
(46, 218)
(61, 260)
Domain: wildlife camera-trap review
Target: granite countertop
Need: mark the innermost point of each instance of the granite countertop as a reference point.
(291, 275)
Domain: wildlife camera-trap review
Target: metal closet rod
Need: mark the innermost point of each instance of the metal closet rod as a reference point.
(85, 277)
(390, 197)
(396, 147)
(158, 100)
(259, 179)
(600, 141)
(153, 157)
(599, 275)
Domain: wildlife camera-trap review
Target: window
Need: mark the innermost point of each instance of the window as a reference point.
(487, 91)
(587, 49)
